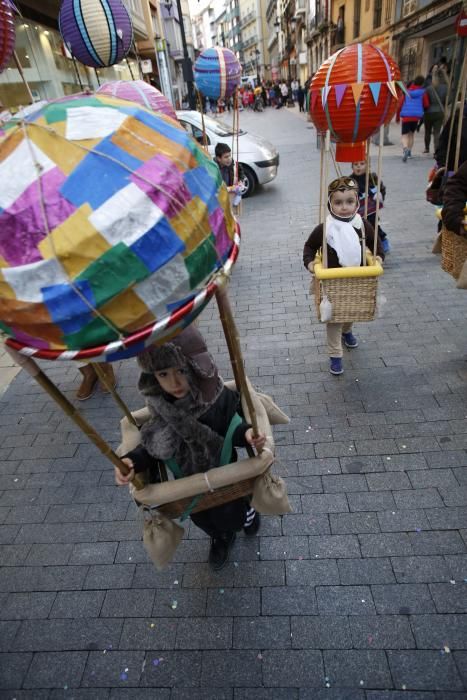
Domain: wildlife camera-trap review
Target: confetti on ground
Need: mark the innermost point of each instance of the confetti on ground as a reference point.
(174, 604)
(362, 683)
(124, 676)
(260, 656)
(418, 529)
(452, 581)
(221, 590)
(152, 625)
(236, 564)
(447, 650)
(404, 687)
(157, 662)
(176, 582)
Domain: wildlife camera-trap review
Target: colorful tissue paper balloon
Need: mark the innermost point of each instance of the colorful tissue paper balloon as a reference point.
(7, 33)
(217, 73)
(140, 92)
(97, 33)
(353, 93)
(113, 225)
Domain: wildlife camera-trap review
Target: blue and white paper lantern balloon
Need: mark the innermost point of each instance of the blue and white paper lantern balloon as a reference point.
(98, 33)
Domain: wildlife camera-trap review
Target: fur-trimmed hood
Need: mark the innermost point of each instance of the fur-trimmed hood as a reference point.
(187, 350)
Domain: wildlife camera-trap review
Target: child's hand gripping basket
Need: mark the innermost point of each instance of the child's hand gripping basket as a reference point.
(352, 291)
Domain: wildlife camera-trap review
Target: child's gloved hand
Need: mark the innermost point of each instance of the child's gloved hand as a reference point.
(122, 480)
(257, 442)
(311, 267)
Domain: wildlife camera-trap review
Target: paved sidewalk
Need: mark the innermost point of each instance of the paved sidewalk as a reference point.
(361, 592)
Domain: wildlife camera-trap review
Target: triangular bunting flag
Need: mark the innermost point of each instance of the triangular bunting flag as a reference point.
(402, 87)
(324, 95)
(340, 91)
(375, 89)
(392, 86)
(357, 90)
(314, 97)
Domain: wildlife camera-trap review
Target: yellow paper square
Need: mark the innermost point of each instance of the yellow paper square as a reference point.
(224, 201)
(76, 242)
(127, 311)
(192, 224)
(66, 154)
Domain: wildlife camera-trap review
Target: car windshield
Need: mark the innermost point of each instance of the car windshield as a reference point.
(219, 127)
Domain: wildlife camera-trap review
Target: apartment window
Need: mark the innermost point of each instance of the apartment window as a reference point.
(377, 13)
(356, 18)
(408, 6)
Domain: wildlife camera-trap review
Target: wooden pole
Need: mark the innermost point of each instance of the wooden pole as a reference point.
(367, 187)
(23, 77)
(327, 148)
(31, 367)
(378, 190)
(463, 83)
(235, 352)
(110, 386)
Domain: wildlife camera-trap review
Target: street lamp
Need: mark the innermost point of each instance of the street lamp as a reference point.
(187, 66)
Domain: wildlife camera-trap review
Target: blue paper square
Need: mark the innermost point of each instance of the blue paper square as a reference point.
(67, 309)
(159, 245)
(201, 184)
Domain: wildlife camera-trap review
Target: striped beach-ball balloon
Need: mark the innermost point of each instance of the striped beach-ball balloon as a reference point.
(140, 92)
(98, 33)
(7, 33)
(217, 73)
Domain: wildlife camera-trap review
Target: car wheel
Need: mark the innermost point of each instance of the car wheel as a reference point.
(249, 181)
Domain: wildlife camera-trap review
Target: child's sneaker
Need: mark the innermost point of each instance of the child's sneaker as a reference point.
(405, 155)
(386, 246)
(336, 365)
(350, 340)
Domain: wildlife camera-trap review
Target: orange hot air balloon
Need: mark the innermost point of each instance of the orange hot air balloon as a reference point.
(353, 93)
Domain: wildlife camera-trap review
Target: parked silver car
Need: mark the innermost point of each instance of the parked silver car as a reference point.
(258, 158)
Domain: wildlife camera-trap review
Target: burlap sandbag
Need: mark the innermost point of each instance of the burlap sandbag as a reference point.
(161, 537)
(270, 495)
(462, 279)
(437, 245)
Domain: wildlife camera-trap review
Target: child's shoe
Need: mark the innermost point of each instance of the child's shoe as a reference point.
(405, 155)
(252, 524)
(220, 548)
(410, 153)
(350, 340)
(335, 366)
(386, 246)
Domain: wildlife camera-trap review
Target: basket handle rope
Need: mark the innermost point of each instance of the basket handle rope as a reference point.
(378, 188)
(324, 191)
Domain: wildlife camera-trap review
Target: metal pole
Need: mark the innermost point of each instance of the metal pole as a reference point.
(187, 65)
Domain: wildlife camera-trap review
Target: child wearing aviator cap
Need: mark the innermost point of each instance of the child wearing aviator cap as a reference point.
(344, 233)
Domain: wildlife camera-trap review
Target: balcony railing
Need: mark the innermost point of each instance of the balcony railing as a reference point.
(247, 19)
(250, 42)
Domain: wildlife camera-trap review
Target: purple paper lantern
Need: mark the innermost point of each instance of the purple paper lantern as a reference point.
(140, 92)
(7, 33)
(98, 33)
(217, 73)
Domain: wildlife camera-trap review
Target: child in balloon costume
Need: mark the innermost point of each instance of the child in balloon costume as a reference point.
(344, 232)
(194, 425)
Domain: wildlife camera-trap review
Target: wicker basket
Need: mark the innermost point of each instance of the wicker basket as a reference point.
(352, 291)
(453, 252)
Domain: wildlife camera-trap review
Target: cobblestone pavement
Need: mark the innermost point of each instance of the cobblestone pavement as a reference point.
(362, 588)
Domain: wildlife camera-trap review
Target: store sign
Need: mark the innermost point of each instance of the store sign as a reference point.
(302, 58)
(146, 66)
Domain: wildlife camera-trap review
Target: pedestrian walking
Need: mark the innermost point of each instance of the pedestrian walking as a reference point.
(301, 98)
(411, 113)
(295, 85)
(434, 101)
(344, 233)
(195, 425)
(284, 93)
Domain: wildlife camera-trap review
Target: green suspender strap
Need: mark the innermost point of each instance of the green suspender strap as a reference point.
(226, 456)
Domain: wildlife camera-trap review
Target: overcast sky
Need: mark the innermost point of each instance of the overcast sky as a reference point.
(196, 6)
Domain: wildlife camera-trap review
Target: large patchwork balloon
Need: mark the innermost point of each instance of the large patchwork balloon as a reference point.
(7, 33)
(141, 92)
(217, 73)
(113, 226)
(97, 32)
